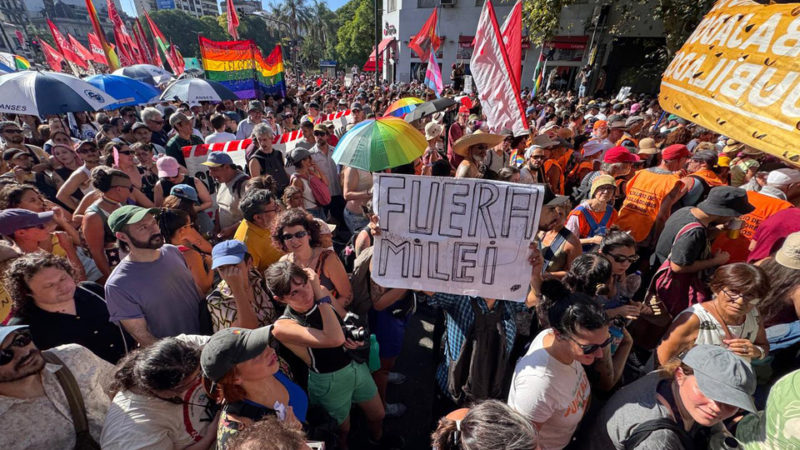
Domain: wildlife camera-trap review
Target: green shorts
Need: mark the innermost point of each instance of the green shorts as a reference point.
(337, 391)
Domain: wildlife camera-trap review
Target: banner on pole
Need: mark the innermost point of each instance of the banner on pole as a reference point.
(457, 236)
(739, 75)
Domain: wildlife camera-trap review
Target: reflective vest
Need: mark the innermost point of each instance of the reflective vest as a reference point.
(765, 206)
(547, 165)
(643, 196)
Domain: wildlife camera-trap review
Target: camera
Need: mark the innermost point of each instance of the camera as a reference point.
(354, 328)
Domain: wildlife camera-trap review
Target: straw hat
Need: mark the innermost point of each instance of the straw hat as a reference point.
(732, 147)
(789, 253)
(479, 137)
(750, 151)
(647, 146)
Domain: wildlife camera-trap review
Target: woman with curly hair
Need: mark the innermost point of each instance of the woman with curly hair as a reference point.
(297, 234)
(60, 311)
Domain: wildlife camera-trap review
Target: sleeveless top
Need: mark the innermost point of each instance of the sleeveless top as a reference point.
(167, 185)
(323, 360)
(108, 235)
(309, 202)
(712, 332)
(555, 257)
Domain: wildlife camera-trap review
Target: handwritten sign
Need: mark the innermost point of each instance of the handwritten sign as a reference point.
(457, 236)
(739, 75)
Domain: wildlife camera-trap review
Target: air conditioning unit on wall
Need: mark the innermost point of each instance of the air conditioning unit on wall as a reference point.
(448, 3)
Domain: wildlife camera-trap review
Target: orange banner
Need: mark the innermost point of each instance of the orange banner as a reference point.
(739, 74)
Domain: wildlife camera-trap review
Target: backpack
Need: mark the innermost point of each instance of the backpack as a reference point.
(644, 429)
(360, 282)
(320, 191)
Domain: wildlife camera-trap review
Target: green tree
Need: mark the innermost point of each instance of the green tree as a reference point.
(182, 29)
(356, 32)
(250, 27)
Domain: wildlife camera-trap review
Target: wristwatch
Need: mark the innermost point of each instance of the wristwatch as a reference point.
(326, 299)
(760, 351)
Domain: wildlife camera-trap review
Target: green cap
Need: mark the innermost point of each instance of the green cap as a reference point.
(128, 214)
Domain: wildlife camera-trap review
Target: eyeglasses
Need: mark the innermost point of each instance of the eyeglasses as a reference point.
(588, 349)
(298, 235)
(22, 339)
(12, 130)
(740, 297)
(621, 259)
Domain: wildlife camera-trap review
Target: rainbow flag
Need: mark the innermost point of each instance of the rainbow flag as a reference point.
(241, 67)
(21, 63)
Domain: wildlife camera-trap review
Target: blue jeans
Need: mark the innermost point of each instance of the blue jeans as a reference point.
(783, 335)
(318, 213)
(355, 222)
(582, 90)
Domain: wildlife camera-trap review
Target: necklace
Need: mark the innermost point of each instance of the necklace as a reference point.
(727, 330)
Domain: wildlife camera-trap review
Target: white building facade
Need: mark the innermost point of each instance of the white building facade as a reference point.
(577, 43)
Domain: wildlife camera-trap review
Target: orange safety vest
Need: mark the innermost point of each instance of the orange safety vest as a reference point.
(765, 207)
(709, 176)
(549, 163)
(643, 196)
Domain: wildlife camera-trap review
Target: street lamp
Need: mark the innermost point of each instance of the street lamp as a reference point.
(293, 41)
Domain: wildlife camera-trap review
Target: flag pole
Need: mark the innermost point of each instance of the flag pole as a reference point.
(377, 36)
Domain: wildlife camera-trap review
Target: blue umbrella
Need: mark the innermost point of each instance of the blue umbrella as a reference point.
(43, 93)
(129, 91)
(147, 73)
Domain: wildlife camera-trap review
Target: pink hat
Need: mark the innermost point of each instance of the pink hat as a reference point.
(635, 108)
(167, 166)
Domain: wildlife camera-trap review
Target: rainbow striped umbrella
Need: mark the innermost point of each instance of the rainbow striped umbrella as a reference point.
(378, 144)
(403, 106)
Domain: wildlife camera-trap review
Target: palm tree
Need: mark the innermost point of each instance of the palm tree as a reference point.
(293, 12)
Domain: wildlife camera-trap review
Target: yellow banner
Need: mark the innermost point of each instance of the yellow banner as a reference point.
(739, 74)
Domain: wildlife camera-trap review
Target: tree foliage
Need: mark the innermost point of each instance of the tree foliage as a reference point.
(356, 32)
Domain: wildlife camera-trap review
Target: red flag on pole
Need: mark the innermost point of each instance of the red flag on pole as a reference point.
(161, 42)
(233, 20)
(143, 44)
(125, 44)
(124, 57)
(426, 38)
(177, 59)
(110, 55)
(82, 51)
(64, 47)
(53, 56)
(512, 39)
(98, 55)
(491, 71)
(157, 56)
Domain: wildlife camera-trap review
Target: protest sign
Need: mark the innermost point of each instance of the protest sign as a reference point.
(455, 235)
(739, 75)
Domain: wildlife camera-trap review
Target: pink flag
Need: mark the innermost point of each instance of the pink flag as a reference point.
(512, 39)
(491, 71)
(433, 76)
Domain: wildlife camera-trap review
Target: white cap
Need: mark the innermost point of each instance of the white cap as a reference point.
(593, 147)
(783, 177)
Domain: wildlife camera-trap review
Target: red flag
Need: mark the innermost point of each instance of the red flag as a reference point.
(65, 48)
(177, 59)
(124, 57)
(53, 56)
(20, 38)
(110, 55)
(161, 42)
(82, 51)
(233, 20)
(491, 71)
(98, 55)
(143, 44)
(157, 56)
(426, 38)
(512, 39)
(125, 44)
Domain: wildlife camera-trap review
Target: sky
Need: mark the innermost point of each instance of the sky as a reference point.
(128, 6)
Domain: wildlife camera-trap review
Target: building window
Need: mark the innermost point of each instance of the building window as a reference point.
(426, 3)
(479, 3)
(391, 5)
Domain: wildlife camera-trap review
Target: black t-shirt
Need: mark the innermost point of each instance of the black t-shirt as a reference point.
(691, 245)
(272, 164)
(89, 326)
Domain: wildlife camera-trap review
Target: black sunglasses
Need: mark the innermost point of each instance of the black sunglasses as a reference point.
(320, 133)
(621, 259)
(22, 339)
(588, 349)
(125, 152)
(298, 235)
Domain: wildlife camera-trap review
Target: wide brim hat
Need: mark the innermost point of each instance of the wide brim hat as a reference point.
(465, 142)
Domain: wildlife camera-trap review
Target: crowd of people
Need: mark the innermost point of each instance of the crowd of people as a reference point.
(148, 306)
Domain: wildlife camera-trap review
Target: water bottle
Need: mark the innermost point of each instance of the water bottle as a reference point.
(374, 362)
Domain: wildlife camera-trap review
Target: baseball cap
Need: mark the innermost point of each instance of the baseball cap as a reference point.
(600, 124)
(297, 155)
(633, 120)
(177, 118)
(707, 156)
(722, 376)
(321, 128)
(185, 191)
(789, 253)
(726, 201)
(167, 166)
(14, 219)
(227, 253)
(255, 105)
(5, 330)
(463, 110)
(231, 346)
(620, 154)
(635, 108)
(675, 151)
(551, 199)
(783, 177)
(355, 106)
(217, 159)
(128, 214)
(313, 105)
(618, 124)
(12, 153)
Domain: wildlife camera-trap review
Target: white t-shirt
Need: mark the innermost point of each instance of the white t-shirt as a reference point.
(224, 136)
(550, 393)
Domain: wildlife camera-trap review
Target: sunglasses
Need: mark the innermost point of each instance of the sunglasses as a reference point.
(537, 157)
(87, 150)
(621, 259)
(320, 133)
(22, 339)
(588, 349)
(298, 235)
(14, 131)
(125, 152)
